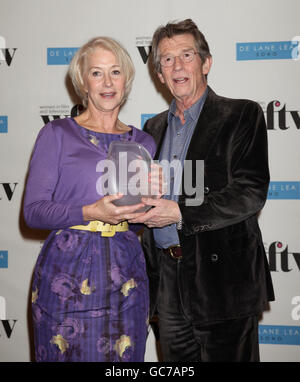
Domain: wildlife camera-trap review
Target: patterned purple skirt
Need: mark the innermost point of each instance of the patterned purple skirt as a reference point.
(90, 298)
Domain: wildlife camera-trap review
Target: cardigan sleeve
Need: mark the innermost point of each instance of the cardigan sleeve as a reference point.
(40, 210)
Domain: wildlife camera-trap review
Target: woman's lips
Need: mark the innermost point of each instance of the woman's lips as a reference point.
(108, 94)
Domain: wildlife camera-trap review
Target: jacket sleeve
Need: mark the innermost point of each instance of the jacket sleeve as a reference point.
(246, 169)
(40, 210)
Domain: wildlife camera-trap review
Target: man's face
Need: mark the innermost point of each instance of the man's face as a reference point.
(186, 81)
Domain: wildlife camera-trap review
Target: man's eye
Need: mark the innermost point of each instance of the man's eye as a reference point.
(187, 54)
(168, 59)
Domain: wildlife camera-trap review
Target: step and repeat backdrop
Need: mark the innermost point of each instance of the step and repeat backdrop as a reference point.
(255, 49)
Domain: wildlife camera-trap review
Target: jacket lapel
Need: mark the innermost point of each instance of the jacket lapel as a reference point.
(207, 128)
(158, 130)
(205, 133)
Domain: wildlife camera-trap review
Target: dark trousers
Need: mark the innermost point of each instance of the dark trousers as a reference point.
(182, 340)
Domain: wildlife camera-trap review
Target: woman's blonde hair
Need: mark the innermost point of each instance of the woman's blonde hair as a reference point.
(78, 64)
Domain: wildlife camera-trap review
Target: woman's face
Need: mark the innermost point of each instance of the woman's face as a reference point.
(104, 80)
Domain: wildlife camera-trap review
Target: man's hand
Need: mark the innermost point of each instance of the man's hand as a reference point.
(156, 180)
(165, 212)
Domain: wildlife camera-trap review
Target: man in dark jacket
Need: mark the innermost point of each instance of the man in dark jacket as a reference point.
(208, 272)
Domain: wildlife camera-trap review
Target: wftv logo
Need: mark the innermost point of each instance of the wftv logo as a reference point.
(280, 118)
(60, 56)
(52, 112)
(8, 190)
(6, 54)
(7, 325)
(270, 50)
(144, 47)
(280, 259)
(3, 124)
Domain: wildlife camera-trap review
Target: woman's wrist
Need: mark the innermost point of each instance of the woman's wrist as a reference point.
(86, 213)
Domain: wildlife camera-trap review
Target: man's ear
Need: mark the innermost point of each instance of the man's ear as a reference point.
(207, 65)
(161, 77)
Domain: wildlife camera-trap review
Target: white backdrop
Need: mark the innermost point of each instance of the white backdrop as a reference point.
(37, 38)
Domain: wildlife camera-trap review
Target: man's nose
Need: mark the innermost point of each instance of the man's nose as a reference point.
(177, 63)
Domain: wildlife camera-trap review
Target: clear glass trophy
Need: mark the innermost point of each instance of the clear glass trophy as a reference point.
(132, 166)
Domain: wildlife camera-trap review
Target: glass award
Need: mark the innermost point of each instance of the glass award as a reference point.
(131, 166)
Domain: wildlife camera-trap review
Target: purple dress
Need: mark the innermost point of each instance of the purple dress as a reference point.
(90, 293)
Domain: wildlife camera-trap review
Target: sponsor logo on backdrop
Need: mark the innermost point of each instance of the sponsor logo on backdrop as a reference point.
(144, 118)
(279, 334)
(269, 50)
(296, 310)
(284, 190)
(2, 47)
(7, 191)
(60, 56)
(7, 326)
(281, 258)
(144, 47)
(3, 259)
(280, 117)
(2, 308)
(49, 113)
(6, 54)
(282, 334)
(3, 124)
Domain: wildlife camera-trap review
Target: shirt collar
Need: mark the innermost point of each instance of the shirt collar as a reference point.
(194, 111)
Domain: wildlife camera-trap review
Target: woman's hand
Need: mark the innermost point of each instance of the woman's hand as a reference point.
(105, 211)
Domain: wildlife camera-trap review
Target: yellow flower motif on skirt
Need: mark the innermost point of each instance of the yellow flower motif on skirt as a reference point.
(122, 344)
(60, 342)
(127, 286)
(34, 296)
(85, 289)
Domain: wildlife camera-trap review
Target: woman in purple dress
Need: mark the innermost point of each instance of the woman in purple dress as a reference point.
(90, 289)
